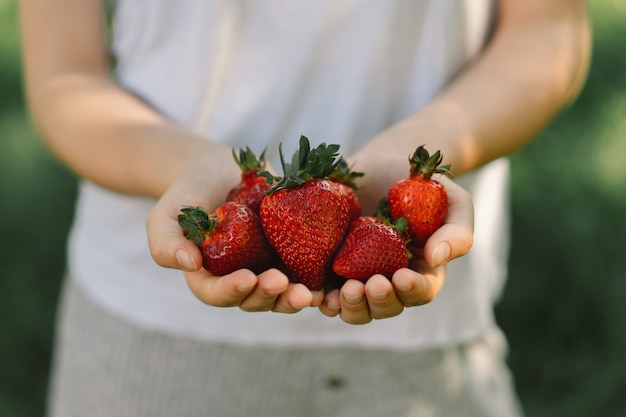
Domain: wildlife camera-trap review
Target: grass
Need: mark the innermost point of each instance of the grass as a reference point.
(563, 303)
(36, 204)
(562, 308)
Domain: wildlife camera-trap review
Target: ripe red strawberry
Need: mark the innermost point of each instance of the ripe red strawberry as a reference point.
(252, 187)
(373, 248)
(305, 215)
(381, 215)
(361, 220)
(230, 238)
(344, 175)
(420, 199)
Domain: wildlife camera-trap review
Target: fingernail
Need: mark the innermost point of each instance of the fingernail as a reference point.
(246, 287)
(185, 260)
(354, 299)
(378, 295)
(441, 254)
(333, 307)
(404, 286)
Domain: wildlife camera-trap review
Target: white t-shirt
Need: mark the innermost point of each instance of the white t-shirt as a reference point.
(256, 73)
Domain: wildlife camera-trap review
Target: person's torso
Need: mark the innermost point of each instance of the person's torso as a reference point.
(259, 73)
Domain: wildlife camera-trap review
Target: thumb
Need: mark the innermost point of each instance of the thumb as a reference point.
(168, 245)
(456, 236)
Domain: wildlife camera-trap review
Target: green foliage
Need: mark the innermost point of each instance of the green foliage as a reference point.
(562, 309)
(36, 206)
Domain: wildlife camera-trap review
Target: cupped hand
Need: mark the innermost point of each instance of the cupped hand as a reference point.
(270, 290)
(358, 303)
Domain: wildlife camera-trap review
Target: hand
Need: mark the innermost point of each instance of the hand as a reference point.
(358, 303)
(270, 290)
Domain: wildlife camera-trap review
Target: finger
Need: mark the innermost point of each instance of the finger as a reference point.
(270, 284)
(353, 303)
(295, 298)
(168, 245)
(331, 306)
(227, 291)
(381, 298)
(318, 298)
(455, 237)
(417, 288)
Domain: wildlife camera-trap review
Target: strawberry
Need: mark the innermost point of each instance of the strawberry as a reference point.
(419, 198)
(361, 220)
(305, 215)
(371, 248)
(252, 187)
(230, 238)
(381, 215)
(345, 177)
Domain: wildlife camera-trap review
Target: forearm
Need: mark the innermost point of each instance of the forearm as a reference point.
(533, 66)
(110, 137)
(96, 127)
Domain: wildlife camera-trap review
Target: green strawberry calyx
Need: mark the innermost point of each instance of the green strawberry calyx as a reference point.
(248, 161)
(425, 165)
(401, 226)
(306, 164)
(344, 174)
(383, 213)
(197, 223)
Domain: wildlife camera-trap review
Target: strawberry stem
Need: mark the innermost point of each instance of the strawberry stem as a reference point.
(306, 164)
(344, 174)
(248, 161)
(196, 223)
(401, 226)
(382, 211)
(425, 165)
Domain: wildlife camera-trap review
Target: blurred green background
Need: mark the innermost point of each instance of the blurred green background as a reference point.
(563, 308)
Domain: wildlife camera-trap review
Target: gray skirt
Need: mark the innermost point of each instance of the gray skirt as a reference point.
(105, 366)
